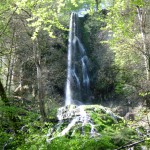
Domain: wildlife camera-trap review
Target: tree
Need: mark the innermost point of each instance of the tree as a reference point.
(128, 26)
(37, 59)
(142, 11)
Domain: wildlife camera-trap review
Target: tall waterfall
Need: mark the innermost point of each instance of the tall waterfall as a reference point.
(77, 85)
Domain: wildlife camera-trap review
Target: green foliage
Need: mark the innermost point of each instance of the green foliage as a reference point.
(44, 15)
(47, 14)
(111, 137)
(5, 16)
(124, 39)
(81, 142)
(4, 138)
(51, 107)
(147, 142)
(11, 109)
(52, 16)
(113, 133)
(31, 135)
(144, 94)
(33, 141)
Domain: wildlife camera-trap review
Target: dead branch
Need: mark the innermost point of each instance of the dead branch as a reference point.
(130, 145)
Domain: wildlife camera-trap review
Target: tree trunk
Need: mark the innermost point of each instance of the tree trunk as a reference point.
(40, 92)
(142, 17)
(10, 65)
(149, 67)
(37, 56)
(3, 94)
(11, 75)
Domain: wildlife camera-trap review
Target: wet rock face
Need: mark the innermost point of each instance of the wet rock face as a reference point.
(130, 116)
(68, 112)
(86, 120)
(71, 111)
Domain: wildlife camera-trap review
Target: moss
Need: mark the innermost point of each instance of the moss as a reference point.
(118, 140)
(87, 129)
(147, 143)
(110, 134)
(101, 127)
(80, 143)
(76, 131)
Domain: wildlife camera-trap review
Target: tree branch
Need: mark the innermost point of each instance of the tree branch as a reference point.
(130, 145)
(8, 22)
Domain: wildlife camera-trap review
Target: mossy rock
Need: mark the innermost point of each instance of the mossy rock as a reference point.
(101, 130)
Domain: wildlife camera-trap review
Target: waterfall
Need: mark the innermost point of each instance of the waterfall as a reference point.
(68, 85)
(78, 82)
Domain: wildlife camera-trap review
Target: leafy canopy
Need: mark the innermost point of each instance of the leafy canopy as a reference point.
(47, 14)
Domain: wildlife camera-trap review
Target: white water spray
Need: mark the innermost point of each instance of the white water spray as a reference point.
(77, 77)
(68, 84)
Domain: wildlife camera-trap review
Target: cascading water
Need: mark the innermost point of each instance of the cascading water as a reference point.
(79, 120)
(77, 82)
(77, 72)
(82, 120)
(68, 85)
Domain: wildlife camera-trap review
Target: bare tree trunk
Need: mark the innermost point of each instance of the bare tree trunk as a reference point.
(7, 77)
(19, 88)
(146, 55)
(37, 56)
(11, 74)
(40, 92)
(10, 65)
